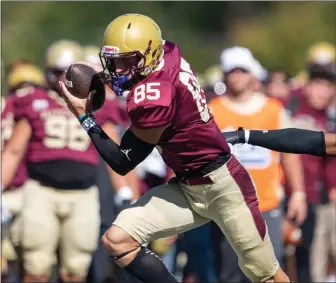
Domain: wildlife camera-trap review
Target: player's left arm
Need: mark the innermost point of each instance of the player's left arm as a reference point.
(148, 124)
(124, 187)
(135, 145)
(291, 140)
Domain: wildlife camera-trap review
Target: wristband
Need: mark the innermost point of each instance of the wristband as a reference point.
(81, 118)
(87, 122)
(299, 195)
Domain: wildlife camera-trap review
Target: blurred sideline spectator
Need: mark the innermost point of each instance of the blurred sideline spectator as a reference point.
(319, 54)
(310, 112)
(277, 85)
(245, 105)
(213, 84)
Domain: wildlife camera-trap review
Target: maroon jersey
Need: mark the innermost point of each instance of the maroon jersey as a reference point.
(172, 96)
(110, 112)
(7, 124)
(318, 171)
(56, 133)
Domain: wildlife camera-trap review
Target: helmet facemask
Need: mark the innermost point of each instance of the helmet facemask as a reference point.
(124, 70)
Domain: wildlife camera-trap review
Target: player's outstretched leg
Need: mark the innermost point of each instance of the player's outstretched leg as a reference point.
(139, 261)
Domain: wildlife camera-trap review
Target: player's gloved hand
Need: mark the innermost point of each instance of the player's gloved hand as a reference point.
(123, 198)
(235, 137)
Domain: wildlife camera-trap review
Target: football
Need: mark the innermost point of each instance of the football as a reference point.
(82, 79)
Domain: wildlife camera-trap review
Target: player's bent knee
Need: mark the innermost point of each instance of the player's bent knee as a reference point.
(116, 241)
(38, 263)
(76, 266)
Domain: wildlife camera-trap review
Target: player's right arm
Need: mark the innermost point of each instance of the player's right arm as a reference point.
(14, 151)
(291, 140)
(150, 115)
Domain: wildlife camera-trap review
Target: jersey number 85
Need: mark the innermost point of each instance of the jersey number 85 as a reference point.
(151, 90)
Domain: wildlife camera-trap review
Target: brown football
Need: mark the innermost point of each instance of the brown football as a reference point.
(81, 79)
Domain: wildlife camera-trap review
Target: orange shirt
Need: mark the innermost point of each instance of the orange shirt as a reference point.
(259, 112)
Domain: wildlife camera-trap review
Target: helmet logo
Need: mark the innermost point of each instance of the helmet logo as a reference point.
(68, 83)
(110, 49)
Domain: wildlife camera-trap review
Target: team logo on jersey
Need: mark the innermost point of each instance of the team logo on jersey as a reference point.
(40, 104)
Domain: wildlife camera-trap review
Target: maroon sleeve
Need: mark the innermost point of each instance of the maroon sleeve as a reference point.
(20, 105)
(156, 112)
(22, 101)
(329, 173)
(109, 113)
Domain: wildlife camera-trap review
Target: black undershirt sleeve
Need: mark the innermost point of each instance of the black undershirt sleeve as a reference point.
(291, 140)
(124, 158)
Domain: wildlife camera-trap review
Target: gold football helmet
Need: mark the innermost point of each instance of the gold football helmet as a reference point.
(25, 73)
(133, 48)
(60, 55)
(91, 54)
(321, 53)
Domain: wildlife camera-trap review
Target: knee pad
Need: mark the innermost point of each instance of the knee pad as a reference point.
(38, 263)
(76, 265)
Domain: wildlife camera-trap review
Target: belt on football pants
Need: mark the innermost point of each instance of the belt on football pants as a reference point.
(205, 179)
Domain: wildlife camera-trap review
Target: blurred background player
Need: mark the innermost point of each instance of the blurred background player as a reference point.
(123, 190)
(245, 105)
(310, 111)
(61, 197)
(319, 54)
(277, 84)
(21, 76)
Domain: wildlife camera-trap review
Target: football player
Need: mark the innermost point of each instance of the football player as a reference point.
(168, 111)
(20, 76)
(122, 193)
(61, 197)
(311, 113)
